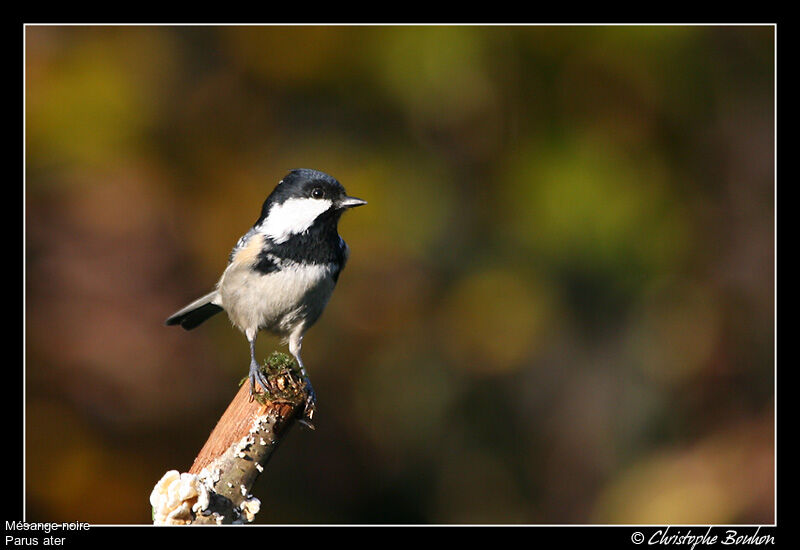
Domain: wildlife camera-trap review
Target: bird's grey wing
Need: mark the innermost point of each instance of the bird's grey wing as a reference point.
(245, 242)
(245, 250)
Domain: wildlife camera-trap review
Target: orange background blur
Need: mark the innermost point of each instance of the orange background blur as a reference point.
(559, 306)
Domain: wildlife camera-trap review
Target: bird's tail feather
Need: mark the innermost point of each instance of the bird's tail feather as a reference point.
(196, 312)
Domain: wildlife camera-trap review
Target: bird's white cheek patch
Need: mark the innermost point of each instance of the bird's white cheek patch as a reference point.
(292, 217)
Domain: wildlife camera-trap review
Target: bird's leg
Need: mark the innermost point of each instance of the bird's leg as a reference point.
(295, 343)
(255, 370)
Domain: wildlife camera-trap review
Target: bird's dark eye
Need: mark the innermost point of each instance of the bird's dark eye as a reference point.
(317, 193)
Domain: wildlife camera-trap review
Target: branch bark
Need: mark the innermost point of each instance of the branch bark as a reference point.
(217, 487)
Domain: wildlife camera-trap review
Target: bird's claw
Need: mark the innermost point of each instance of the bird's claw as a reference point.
(310, 405)
(257, 375)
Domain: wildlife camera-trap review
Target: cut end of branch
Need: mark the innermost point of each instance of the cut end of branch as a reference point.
(217, 487)
(284, 380)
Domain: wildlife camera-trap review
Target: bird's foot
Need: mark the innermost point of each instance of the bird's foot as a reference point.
(257, 375)
(310, 406)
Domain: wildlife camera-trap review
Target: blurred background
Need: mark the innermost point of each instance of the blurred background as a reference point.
(559, 306)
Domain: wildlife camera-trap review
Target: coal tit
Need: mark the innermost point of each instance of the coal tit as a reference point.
(282, 272)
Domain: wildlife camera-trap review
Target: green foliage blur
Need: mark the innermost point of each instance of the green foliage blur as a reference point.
(559, 306)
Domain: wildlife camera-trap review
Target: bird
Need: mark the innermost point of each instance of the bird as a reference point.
(282, 272)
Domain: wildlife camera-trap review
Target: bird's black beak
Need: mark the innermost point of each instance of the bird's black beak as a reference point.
(351, 202)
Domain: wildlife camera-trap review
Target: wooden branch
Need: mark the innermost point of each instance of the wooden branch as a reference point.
(217, 487)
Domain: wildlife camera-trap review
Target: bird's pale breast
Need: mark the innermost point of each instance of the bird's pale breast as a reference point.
(277, 301)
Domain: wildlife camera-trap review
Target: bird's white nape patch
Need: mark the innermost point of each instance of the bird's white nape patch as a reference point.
(291, 217)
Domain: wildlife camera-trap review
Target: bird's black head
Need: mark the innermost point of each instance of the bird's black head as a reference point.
(306, 183)
(302, 197)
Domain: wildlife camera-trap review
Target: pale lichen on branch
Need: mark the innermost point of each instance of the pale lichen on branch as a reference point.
(217, 487)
